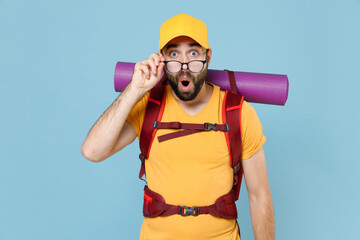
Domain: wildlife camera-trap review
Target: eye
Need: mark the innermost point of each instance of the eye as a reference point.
(193, 53)
(173, 54)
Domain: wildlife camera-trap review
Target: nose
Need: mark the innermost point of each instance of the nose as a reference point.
(184, 59)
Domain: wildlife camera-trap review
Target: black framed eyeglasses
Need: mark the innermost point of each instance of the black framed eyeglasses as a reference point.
(194, 66)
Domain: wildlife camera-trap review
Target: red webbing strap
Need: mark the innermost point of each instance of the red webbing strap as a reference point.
(232, 116)
(155, 205)
(183, 133)
(197, 126)
(190, 128)
(154, 110)
(232, 81)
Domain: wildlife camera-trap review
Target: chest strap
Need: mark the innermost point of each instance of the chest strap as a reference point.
(155, 205)
(189, 128)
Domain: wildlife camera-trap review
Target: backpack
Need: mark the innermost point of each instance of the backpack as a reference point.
(225, 207)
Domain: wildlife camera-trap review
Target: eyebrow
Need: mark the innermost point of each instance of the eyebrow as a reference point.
(176, 45)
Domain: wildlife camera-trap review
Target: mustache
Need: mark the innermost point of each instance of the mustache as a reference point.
(184, 74)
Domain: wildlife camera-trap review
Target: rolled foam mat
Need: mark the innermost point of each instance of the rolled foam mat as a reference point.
(255, 87)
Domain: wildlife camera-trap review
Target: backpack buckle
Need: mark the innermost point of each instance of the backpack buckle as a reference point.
(141, 157)
(195, 211)
(209, 126)
(237, 168)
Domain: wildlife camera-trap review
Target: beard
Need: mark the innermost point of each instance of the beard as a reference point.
(198, 82)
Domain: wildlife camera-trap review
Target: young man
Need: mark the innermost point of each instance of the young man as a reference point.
(191, 170)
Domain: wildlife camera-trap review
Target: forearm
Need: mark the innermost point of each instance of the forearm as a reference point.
(103, 136)
(262, 216)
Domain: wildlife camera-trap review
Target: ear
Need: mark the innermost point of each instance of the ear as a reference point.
(209, 55)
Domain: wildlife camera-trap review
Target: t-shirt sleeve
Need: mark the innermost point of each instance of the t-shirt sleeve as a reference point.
(251, 131)
(136, 116)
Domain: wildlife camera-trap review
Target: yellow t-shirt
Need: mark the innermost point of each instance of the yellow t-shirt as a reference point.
(193, 170)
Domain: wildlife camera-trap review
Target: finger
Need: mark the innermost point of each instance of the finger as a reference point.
(152, 65)
(145, 69)
(156, 60)
(161, 57)
(160, 69)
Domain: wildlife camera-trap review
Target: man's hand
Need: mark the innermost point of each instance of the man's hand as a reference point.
(147, 73)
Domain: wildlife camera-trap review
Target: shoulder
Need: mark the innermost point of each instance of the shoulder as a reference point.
(249, 116)
(248, 110)
(251, 131)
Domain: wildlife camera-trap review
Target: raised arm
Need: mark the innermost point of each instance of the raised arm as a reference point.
(111, 132)
(260, 200)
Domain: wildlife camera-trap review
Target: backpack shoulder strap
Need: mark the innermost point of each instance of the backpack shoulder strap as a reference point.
(153, 112)
(232, 115)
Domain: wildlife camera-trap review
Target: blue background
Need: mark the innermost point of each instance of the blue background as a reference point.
(57, 61)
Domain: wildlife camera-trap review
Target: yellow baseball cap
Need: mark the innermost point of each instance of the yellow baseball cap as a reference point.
(183, 25)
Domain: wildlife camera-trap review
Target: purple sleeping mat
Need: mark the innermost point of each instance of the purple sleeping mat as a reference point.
(255, 87)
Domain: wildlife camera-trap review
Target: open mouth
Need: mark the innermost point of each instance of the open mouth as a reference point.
(185, 83)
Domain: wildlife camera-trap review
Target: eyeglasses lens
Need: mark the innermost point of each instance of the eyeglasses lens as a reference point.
(194, 66)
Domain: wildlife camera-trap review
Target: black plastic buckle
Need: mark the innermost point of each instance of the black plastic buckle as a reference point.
(237, 168)
(189, 211)
(155, 124)
(141, 157)
(226, 128)
(210, 126)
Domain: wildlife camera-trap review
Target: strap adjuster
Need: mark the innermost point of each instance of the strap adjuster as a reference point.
(155, 124)
(195, 211)
(148, 200)
(237, 168)
(141, 157)
(210, 126)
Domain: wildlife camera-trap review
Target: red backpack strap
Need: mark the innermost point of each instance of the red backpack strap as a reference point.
(154, 111)
(232, 115)
(232, 81)
(189, 128)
